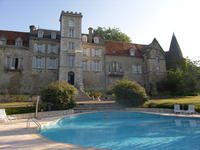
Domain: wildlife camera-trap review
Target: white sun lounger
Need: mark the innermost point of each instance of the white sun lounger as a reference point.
(177, 108)
(3, 115)
(191, 109)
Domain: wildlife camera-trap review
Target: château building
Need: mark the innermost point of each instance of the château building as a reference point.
(29, 61)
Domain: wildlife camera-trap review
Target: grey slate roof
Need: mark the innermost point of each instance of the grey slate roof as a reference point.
(174, 50)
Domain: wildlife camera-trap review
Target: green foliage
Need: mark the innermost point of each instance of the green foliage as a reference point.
(129, 93)
(113, 34)
(173, 64)
(19, 110)
(182, 83)
(94, 93)
(59, 95)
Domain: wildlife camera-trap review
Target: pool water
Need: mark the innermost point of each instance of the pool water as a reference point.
(126, 131)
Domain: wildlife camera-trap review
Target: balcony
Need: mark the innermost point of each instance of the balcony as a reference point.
(13, 69)
(119, 73)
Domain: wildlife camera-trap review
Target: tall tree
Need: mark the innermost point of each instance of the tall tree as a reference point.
(113, 34)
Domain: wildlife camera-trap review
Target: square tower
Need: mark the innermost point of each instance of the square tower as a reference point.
(70, 68)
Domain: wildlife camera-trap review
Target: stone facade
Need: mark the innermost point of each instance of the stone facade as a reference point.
(30, 61)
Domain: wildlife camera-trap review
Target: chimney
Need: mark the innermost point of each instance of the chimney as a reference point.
(90, 34)
(32, 28)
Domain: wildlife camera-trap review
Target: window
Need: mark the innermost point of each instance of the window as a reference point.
(71, 23)
(14, 63)
(71, 32)
(157, 59)
(84, 51)
(96, 40)
(18, 42)
(84, 64)
(158, 68)
(52, 48)
(115, 67)
(71, 60)
(84, 38)
(136, 68)
(40, 34)
(71, 45)
(96, 52)
(38, 62)
(96, 66)
(52, 63)
(132, 52)
(3, 41)
(53, 35)
(39, 48)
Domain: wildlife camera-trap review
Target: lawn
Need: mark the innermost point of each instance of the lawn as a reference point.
(16, 104)
(169, 103)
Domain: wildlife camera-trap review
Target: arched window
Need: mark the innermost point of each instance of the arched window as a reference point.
(71, 23)
(132, 52)
(18, 42)
(96, 40)
(3, 41)
(84, 38)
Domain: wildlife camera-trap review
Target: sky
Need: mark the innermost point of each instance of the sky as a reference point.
(141, 20)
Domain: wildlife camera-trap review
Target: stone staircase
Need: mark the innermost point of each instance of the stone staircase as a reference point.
(91, 106)
(82, 96)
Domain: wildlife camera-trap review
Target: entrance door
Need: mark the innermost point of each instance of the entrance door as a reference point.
(71, 78)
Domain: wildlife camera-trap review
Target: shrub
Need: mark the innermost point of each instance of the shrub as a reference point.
(129, 93)
(58, 95)
(19, 110)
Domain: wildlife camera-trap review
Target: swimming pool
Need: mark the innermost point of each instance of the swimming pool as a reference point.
(126, 131)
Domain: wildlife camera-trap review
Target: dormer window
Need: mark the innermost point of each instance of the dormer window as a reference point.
(3, 41)
(84, 38)
(132, 52)
(53, 35)
(40, 34)
(96, 40)
(71, 23)
(18, 42)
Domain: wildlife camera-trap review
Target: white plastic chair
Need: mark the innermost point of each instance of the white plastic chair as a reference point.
(191, 109)
(3, 115)
(177, 108)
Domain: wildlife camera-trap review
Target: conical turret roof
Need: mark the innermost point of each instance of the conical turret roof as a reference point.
(174, 50)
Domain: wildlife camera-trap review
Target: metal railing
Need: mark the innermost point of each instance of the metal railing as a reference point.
(28, 123)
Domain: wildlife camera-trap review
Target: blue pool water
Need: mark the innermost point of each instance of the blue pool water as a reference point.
(126, 131)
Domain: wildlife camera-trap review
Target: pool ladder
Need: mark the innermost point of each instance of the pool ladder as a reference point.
(35, 121)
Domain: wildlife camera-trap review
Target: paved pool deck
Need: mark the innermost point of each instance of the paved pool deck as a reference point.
(16, 136)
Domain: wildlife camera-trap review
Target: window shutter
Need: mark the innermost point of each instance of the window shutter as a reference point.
(8, 61)
(21, 63)
(88, 52)
(48, 63)
(100, 53)
(43, 48)
(88, 65)
(35, 47)
(56, 65)
(49, 48)
(43, 62)
(34, 62)
(92, 52)
(13, 63)
(100, 66)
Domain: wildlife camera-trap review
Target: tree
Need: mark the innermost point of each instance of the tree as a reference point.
(181, 83)
(113, 34)
(129, 93)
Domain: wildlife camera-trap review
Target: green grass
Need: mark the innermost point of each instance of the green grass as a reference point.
(169, 103)
(16, 104)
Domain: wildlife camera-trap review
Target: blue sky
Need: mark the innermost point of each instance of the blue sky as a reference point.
(142, 20)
